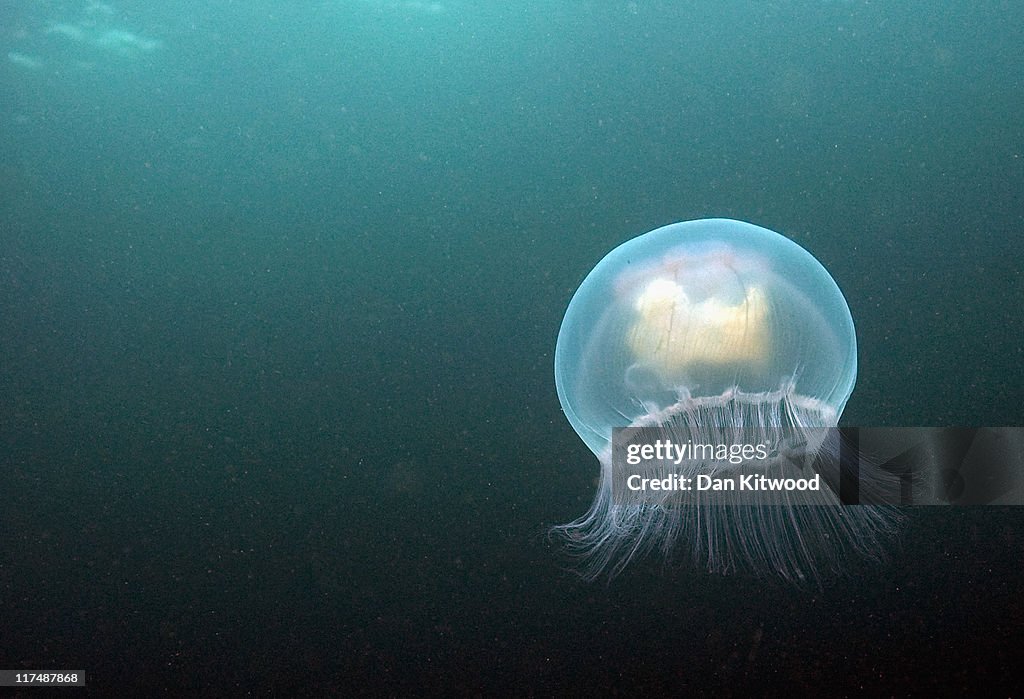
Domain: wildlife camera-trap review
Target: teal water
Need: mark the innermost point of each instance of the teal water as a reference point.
(279, 291)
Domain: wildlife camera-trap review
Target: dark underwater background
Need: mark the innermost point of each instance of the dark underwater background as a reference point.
(280, 284)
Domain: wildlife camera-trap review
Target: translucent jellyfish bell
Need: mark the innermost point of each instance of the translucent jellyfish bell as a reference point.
(718, 332)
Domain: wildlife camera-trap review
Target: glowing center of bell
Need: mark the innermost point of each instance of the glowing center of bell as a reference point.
(672, 332)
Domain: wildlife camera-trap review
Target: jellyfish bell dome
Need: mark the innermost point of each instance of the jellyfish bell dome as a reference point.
(720, 334)
(703, 309)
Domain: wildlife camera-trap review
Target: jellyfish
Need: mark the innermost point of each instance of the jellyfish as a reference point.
(718, 334)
